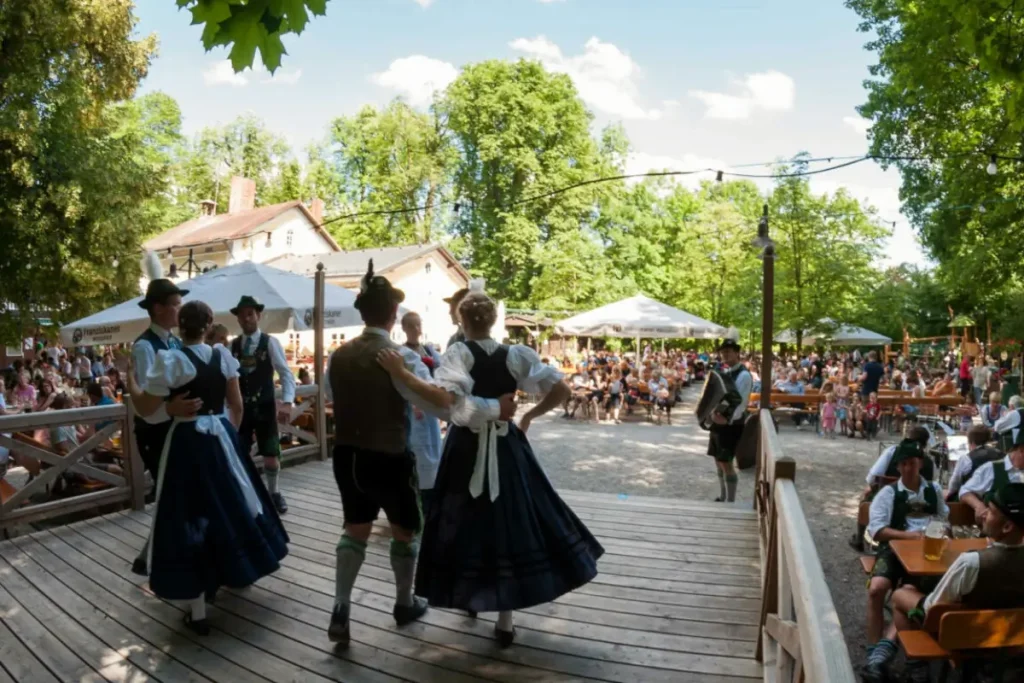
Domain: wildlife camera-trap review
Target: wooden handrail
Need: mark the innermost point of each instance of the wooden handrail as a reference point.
(800, 637)
(129, 488)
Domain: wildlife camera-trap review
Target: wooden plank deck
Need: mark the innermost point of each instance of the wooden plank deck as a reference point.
(677, 600)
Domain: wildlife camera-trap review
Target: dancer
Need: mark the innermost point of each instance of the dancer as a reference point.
(498, 537)
(162, 301)
(453, 311)
(214, 523)
(260, 355)
(424, 428)
(727, 429)
(373, 466)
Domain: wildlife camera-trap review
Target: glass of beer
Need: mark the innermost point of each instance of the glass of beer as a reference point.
(935, 536)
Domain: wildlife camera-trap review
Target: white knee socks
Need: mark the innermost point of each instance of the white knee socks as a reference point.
(505, 620)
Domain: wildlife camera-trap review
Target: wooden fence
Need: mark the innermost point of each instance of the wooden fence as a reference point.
(308, 425)
(47, 465)
(800, 637)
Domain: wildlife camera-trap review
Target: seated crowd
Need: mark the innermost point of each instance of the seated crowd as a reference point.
(905, 495)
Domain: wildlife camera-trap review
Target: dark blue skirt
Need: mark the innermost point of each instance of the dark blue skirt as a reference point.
(203, 536)
(524, 549)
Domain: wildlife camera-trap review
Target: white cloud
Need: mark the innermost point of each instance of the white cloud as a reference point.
(857, 123)
(605, 76)
(642, 162)
(424, 3)
(765, 91)
(222, 73)
(416, 77)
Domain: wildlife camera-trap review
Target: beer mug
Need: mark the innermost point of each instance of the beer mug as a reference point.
(935, 535)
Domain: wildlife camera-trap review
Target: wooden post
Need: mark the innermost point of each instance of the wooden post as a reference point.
(318, 359)
(767, 305)
(136, 473)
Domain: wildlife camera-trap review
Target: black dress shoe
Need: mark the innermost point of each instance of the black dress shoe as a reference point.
(857, 543)
(139, 567)
(406, 614)
(471, 613)
(504, 638)
(210, 596)
(337, 632)
(200, 627)
(278, 500)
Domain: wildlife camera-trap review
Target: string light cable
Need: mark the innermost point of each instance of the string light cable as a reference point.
(719, 174)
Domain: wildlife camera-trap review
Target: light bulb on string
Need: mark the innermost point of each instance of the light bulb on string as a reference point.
(992, 167)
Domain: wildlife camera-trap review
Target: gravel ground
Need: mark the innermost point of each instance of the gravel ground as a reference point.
(641, 458)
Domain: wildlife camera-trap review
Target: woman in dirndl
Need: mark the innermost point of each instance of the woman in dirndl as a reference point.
(214, 524)
(498, 537)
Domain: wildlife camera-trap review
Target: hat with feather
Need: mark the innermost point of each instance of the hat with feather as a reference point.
(375, 288)
(159, 287)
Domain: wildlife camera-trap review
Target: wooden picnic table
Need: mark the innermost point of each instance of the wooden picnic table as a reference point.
(910, 553)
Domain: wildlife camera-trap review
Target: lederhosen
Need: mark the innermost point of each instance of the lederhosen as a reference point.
(887, 565)
(256, 381)
(723, 439)
(150, 437)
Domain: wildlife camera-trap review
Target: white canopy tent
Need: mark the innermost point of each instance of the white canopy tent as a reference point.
(843, 335)
(640, 316)
(289, 299)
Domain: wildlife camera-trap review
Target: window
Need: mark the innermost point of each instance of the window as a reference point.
(288, 237)
(428, 268)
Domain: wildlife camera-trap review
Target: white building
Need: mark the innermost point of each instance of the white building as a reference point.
(288, 236)
(427, 273)
(244, 233)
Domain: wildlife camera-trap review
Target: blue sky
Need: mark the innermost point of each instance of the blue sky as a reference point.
(696, 82)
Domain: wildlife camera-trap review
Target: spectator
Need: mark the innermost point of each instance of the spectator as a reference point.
(979, 379)
(83, 367)
(872, 375)
(978, 437)
(45, 396)
(965, 375)
(25, 393)
(218, 334)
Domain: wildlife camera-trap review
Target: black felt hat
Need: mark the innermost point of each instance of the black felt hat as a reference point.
(908, 448)
(729, 344)
(248, 302)
(374, 288)
(1010, 501)
(158, 290)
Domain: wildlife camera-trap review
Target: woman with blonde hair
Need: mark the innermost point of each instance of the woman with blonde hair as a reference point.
(498, 537)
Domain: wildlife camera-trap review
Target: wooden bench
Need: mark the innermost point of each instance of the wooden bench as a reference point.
(785, 404)
(6, 490)
(952, 633)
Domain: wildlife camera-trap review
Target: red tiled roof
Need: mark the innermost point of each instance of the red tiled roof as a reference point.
(227, 226)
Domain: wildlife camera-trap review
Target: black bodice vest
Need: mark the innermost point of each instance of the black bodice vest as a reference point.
(491, 378)
(209, 384)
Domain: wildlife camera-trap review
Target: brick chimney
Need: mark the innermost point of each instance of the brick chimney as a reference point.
(243, 195)
(316, 207)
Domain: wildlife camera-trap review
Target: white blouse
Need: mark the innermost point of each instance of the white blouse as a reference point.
(523, 363)
(173, 369)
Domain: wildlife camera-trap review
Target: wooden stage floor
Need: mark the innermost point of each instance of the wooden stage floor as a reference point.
(677, 599)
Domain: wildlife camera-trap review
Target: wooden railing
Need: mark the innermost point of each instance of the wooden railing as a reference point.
(800, 637)
(307, 415)
(47, 465)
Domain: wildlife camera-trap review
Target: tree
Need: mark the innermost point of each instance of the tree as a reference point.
(381, 160)
(520, 132)
(825, 251)
(905, 298)
(74, 170)
(945, 94)
(251, 25)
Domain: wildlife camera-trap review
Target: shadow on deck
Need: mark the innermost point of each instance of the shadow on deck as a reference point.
(677, 599)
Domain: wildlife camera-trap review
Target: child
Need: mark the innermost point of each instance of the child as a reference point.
(856, 418)
(967, 412)
(828, 416)
(842, 392)
(872, 412)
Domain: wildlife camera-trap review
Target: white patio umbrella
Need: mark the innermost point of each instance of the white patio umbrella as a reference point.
(288, 297)
(844, 335)
(640, 316)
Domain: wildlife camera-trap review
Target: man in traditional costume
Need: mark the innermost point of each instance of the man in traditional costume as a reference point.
(996, 474)
(373, 466)
(162, 301)
(900, 510)
(260, 356)
(727, 429)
